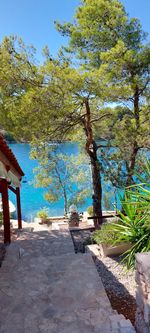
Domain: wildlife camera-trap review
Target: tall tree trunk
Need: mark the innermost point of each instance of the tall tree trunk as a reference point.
(63, 190)
(65, 201)
(131, 166)
(91, 149)
(136, 107)
(97, 185)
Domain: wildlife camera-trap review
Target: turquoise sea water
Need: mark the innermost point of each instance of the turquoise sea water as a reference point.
(32, 198)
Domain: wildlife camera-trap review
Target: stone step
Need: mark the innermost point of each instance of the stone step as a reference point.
(52, 294)
(46, 288)
(43, 242)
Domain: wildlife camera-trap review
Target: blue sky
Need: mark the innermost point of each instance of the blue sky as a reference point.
(33, 19)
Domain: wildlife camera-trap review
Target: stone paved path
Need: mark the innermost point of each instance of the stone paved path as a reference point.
(46, 288)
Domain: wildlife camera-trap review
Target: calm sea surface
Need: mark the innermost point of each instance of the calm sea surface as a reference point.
(32, 198)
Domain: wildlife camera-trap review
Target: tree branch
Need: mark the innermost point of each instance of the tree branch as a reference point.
(103, 146)
(101, 117)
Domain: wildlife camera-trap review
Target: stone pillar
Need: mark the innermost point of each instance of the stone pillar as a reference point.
(19, 208)
(74, 219)
(6, 215)
(143, 292)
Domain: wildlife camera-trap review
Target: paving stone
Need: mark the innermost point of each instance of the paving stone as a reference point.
(47, 288)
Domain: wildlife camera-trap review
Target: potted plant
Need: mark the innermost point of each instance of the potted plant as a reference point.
(42, 214)
(107, 239)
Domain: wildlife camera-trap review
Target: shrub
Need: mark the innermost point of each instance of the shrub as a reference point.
(43, 213)
(106, 234)
(90, 210)
(89, 241)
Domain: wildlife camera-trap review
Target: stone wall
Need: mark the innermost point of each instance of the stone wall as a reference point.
(143, 292)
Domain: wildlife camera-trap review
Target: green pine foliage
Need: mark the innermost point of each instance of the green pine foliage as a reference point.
(62, 175)
(96, 89)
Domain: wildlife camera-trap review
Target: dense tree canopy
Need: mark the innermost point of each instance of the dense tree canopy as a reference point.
(96, 90)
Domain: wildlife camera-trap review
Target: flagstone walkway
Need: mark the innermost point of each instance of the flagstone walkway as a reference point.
(46, 288)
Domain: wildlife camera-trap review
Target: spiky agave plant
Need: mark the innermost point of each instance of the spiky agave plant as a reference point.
(134, 223)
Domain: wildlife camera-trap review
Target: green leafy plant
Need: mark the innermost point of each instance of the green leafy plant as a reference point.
(89, 241)
(43, 213)
(90, 210)
(134, 223)
(106, 234)
(62, 175)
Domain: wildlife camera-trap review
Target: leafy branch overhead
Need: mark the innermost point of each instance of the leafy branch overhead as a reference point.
(96, 89)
